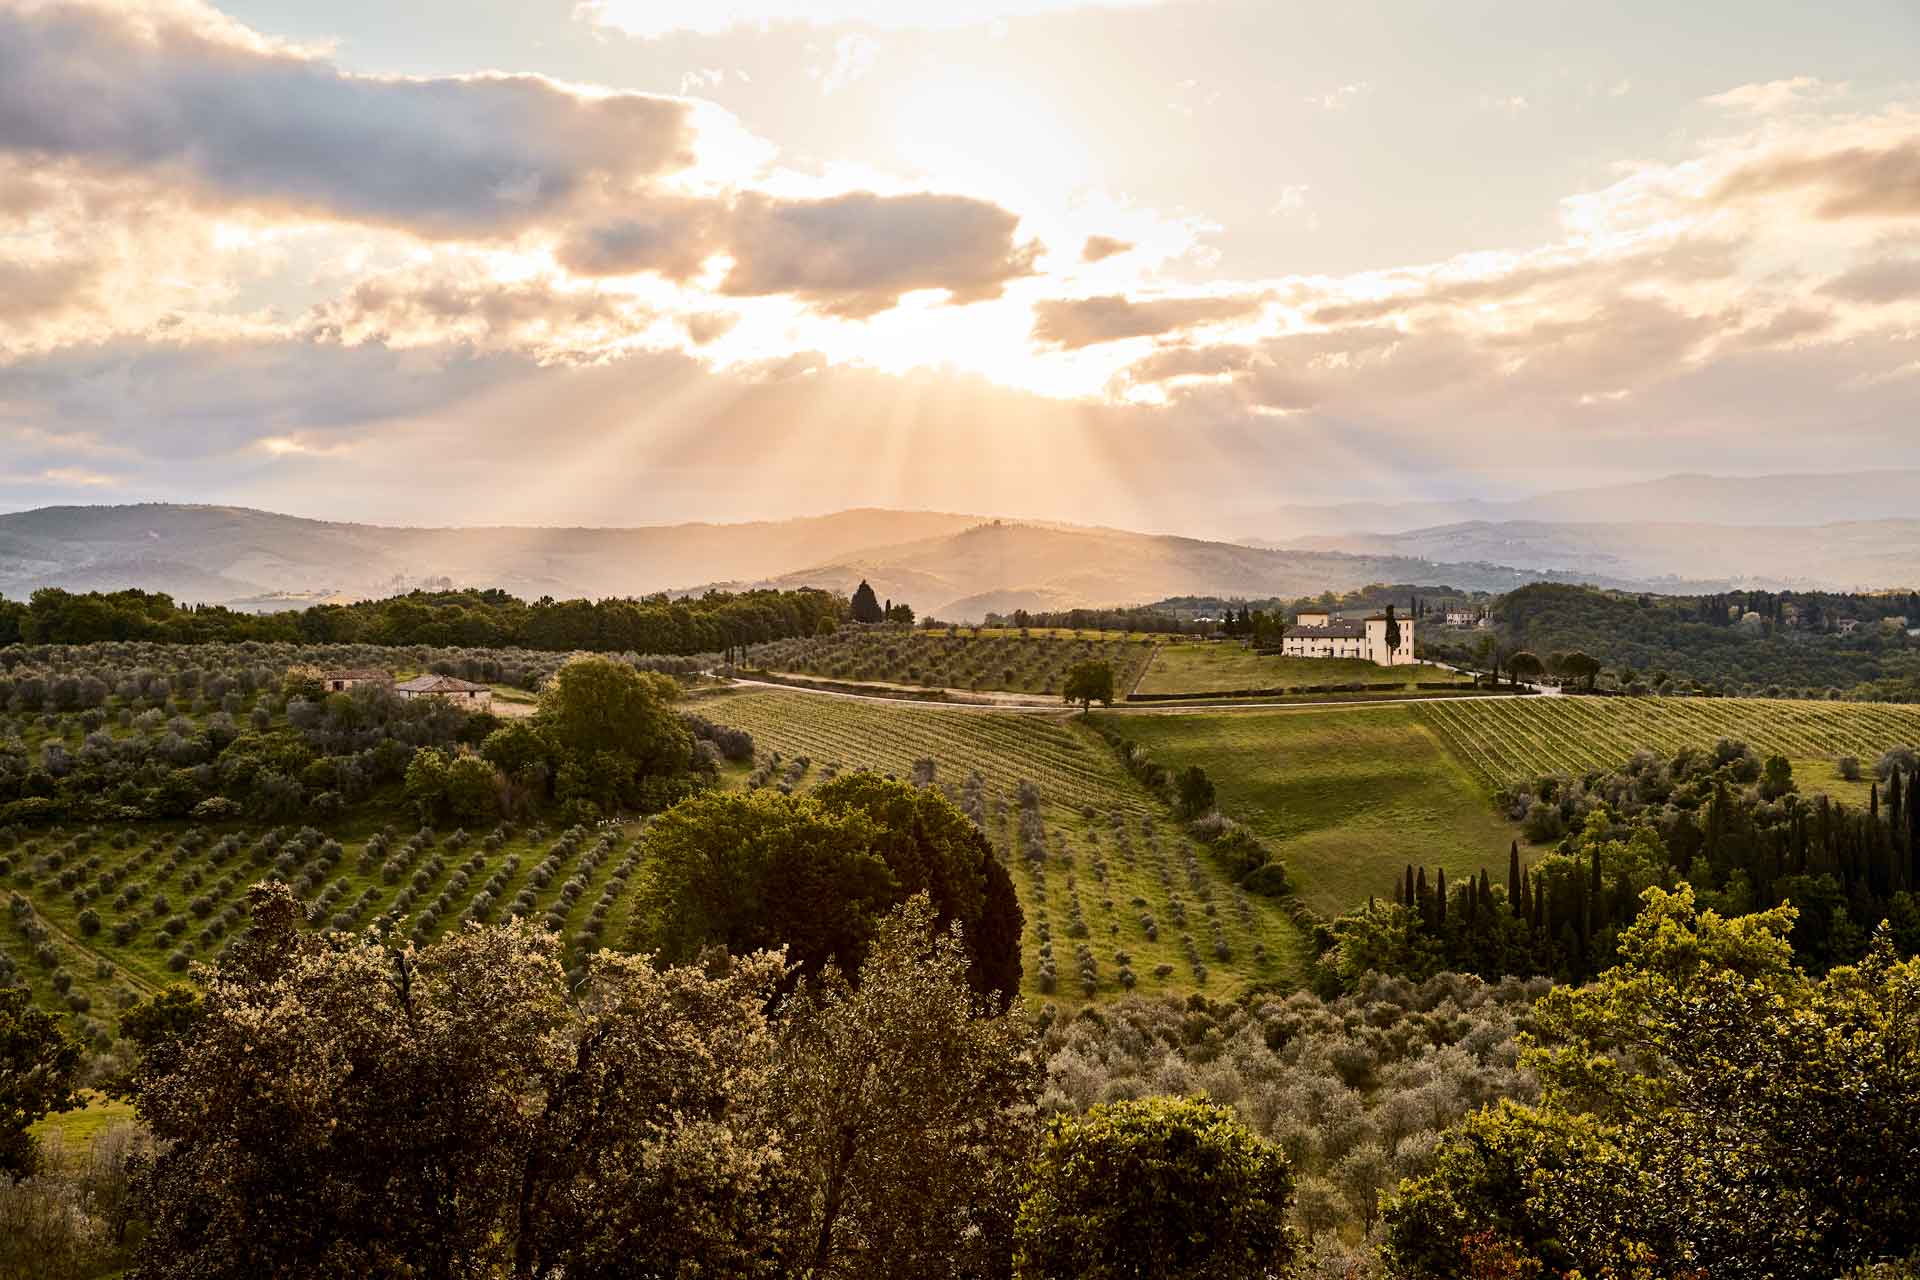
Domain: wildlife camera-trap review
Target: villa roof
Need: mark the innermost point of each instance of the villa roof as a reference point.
(438, 684)
(1332, 631)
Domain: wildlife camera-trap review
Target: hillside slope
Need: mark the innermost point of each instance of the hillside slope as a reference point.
(1003, 566)
(220, 554)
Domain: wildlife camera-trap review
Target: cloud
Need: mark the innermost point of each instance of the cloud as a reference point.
(651, 19)
(1100, 248)
(853, 56)
(1846, 182)
(671, 235)
(242, 123)
(1341, 98)
(437, 305)
(855, 254)
(1772, 96)
(1881, 281)
(1083, 322)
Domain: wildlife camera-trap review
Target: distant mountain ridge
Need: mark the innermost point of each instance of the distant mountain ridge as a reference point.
(952, 565)
(1773, 500)
(1844, 555)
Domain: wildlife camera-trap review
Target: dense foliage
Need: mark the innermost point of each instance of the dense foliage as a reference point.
(38, 1067)
(1165, 1187)
(660, 624)
(1725, 821)
(1707, 1108)
(342, 1106)
(1745, 642)
(815, 873)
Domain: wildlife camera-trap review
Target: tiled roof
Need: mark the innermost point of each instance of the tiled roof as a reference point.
(438, 684)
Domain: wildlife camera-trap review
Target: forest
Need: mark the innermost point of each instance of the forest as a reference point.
(1765, 643)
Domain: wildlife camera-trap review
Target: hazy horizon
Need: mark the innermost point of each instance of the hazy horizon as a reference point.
(1160, 265)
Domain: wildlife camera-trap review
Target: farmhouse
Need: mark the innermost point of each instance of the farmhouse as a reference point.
(1320, 635)
(347, 677)
(464, 692)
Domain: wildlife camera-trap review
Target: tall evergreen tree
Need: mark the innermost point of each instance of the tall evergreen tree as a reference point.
(1513, 879)
(1440, 896)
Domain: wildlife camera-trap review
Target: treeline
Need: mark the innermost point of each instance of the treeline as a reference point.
(658, 624)
(1767, 643)
(605, 739)
(1724, 822)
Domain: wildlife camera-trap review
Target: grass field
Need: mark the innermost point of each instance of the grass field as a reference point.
(1116, 859)
(1510, 741)
(957, 658)
(1347, 797)
(1209, 667)
(80, 1127)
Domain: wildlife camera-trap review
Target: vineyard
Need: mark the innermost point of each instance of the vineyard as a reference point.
(957, 658)
(1516, 739)
(98, 917)
(1115, 893)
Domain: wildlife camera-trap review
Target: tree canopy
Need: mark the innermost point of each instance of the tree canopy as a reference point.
(1088, 683)
(1707, 1107)
(814, 873)
(39, 1067)
(1173, 1188)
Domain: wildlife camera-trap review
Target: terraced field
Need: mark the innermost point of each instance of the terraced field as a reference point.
(1099, 862)
(1515, 739)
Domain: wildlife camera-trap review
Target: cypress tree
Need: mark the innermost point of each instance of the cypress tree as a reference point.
(1535, 904)
(1440, 896)
(1513, 878)
(1412, 901)
(1426, 899)
(1873, 801)
(1486, 892)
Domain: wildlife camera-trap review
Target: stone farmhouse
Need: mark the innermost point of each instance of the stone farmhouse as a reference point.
(1320, 635)
(464, 692)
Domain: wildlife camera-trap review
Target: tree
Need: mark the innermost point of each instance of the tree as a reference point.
(866, 605)
(1524, 665)
(906, 1093)
(1580, 666)
(1773, 1098)
(339, 1107)
(426, 783)
(1088, 683)
(594, 704)
(1393, 632)
(815, 873)
(1194, 792)
(39, 1068)
(1173, 1188)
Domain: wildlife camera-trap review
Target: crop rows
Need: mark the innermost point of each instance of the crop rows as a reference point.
(1111, 886)
(98, 918)
(1510, 740)
(956, 658)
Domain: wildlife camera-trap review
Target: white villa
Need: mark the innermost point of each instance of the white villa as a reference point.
(1320, 635)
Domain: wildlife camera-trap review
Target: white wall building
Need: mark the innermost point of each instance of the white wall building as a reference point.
(1319, 635)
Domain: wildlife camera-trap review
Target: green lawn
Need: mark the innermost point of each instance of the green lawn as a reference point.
(1221, 665)
(1348, 797)
(79, 1128)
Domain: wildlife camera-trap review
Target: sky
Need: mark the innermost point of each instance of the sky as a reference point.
(1161, 264)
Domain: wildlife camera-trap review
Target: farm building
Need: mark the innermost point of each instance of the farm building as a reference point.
(464, 692)
(1320, 635)
(347, 677)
